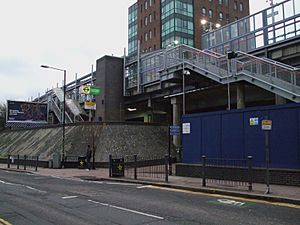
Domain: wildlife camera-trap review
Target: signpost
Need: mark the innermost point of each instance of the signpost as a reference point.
(266, 125)
(89, 90)
(173, 131)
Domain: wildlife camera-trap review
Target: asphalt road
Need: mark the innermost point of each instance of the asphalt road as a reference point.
(34, 199)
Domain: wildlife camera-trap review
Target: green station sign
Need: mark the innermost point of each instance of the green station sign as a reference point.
(89, 90)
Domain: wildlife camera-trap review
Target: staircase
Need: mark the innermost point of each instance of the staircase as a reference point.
(72, 107)
(268, 74)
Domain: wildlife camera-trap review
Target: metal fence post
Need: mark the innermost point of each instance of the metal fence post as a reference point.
(135, 167)
(110, 165)
(166, 168)
(8, 161)
(36, 163)
(18, 162)
(25, 157)
(203, 170)
(250, 173)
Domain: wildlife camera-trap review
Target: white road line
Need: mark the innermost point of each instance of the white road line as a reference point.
(125, 184)
(22, 185)
(145, 186)
(68, 197)
(127, 210)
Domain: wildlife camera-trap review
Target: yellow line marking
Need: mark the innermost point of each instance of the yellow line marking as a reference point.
(2, 221)
(226, 196)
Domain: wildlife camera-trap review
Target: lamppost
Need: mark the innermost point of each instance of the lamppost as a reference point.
(184, 72)
(64, 110)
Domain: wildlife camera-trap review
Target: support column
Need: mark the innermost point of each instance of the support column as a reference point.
(280, 100)
(177, 107)
(240, 96)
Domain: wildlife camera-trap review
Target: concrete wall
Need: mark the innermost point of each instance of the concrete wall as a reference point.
(118, 139)
(109, 77)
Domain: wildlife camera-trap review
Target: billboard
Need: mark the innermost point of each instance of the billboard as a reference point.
(26, 112)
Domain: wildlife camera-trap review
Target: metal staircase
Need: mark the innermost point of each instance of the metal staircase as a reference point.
(268, 74)
(72, 107)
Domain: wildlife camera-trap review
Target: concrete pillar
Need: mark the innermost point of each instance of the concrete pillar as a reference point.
(240, 96)
(280, 100)
(177, 108)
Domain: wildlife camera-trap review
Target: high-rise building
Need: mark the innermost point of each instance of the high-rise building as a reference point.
(155, 24)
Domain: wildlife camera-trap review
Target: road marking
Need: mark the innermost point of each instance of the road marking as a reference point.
(4, 222)
(22, 185)
(230, 197)
(68, 197)
(231, 202)
(127, 210)
(145, 186)
(124, 184)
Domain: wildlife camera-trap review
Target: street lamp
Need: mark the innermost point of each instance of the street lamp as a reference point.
(184, 72)
(212, 26)
(64, 110)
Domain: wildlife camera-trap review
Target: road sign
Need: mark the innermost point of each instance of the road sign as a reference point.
(266, 124)
(253, 121)
(186, 128)
(174, 130)
(89, 90)
(90, 105)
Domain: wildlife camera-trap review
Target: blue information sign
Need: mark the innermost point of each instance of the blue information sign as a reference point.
(174, 130)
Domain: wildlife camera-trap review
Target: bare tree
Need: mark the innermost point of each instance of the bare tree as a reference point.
(2, 115)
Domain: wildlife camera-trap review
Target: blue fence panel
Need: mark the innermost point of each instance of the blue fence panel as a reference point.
(231, 135)
(284, 137)
(211, 136)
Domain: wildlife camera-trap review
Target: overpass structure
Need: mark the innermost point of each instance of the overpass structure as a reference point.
(161, 85)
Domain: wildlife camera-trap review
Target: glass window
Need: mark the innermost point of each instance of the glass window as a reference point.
(221, 16)
(150, 2)
(204, 11)
(146, 20)
(235, 5)
(146, 36)
(210, 13)
(150, 34)
(241, 7)
(220, 2)
(146, 5)
(150, 18)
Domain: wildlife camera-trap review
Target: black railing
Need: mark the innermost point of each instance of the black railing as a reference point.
(23, 162)
(136, 167)
(227, 172)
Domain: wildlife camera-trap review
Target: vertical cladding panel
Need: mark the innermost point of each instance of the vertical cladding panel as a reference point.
(192, 142)
(211, 135)
(254, 137)
(232, 136)
(284, 138)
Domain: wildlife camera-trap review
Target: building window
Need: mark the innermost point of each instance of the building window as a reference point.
(146, 5)
(221, 16)
(142, 8)
(146, 20)
(154, 47)
(150, 49)
(150, 18)
(146, 36)
(154, 15)
(220, 2)
(150, 3)
(204, 11)
(235, 5)
(150, 34)
(210, 13)
(241, 7)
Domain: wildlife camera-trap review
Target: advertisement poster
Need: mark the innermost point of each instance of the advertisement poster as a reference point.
(29, 112)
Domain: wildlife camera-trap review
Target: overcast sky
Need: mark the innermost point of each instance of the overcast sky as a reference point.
(68, 34)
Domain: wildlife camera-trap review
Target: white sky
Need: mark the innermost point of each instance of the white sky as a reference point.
(68, 34)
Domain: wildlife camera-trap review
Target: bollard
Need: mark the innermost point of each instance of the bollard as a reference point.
(8, 161)
(36, 163)
(166, 168)
(25, 157)
(203, 170)
(110, 165)
(135, 167)
(18, 162)
(250, 178)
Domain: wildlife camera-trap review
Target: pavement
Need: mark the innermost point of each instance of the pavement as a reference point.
(278, 193)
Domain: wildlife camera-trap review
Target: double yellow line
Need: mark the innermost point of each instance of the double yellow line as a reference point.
(3, 222)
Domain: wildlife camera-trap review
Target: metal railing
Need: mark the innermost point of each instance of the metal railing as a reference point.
(23, 162)
(227, 172)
